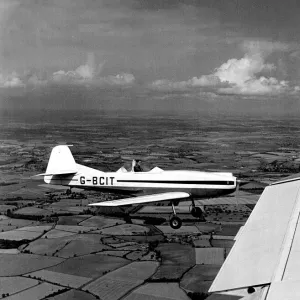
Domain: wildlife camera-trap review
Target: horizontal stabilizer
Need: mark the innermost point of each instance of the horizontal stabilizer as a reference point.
(144, 199)
(63, 172)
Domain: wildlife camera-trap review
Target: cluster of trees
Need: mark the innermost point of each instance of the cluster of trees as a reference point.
(12, 214)
(10, 244)
(279, 166)
(198, 296)
(5, 295)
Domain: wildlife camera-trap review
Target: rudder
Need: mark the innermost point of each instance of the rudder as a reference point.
(61, 161)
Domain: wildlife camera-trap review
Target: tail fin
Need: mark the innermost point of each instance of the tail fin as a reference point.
(61, 162)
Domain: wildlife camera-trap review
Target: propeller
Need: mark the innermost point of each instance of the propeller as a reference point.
(238, 183)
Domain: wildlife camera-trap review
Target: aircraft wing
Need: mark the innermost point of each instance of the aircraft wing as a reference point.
(266, 254)
(144, 199)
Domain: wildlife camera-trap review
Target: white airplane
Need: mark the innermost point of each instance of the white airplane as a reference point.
(264, 262)
(155, 185)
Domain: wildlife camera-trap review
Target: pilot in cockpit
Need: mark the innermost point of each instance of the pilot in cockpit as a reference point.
(136, 166)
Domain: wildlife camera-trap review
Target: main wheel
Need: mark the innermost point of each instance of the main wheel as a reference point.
(197, 212)
(175, 222)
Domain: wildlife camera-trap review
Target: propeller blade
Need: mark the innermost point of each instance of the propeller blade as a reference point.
(238, 182)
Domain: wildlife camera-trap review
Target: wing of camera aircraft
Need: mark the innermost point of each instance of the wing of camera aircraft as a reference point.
(265, 259)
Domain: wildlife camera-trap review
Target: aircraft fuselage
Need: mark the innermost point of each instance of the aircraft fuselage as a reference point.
(197, 184)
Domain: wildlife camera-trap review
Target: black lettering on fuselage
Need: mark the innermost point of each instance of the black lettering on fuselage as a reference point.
(94, 180)
(101, 180)
(112, 180)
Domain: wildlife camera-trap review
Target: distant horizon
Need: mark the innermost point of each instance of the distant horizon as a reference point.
(40, 112)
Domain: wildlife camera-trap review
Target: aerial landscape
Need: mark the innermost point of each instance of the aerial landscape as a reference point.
(53, 245)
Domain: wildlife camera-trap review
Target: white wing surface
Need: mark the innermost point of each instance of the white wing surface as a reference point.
(267, 250)
(144, 199)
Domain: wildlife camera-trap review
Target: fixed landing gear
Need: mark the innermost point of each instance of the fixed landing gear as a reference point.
(175, 222)
(196, 212)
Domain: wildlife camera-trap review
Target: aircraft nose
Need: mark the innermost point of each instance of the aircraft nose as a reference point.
(240, 183)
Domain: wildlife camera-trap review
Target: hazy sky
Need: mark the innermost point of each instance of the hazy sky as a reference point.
(171, 55)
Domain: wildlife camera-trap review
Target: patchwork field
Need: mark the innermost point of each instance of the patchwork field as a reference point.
(117, 283)
(222, 243)
(229, 229)
(158, 291)
(196, 278)
(17, 222)
(46, 246)
(55, 233)
(74, 228)
(36, 228)
(210, 256)
(122, 244)
(72, 220)
(19, 235)
(91, 266)
(37, 292)
(136, 255)
(101, 222)
(125, 229)
(80, 247)
(33, 211)
(119, 253)
(60, 278)
(151, 256)
(202, 243)
(108, 288)
(176, 259)
(135, 247)
(74, 295)
(166, 229)
(9, 251)
(159, 237)
(62, 254)
(12, 285)
(13, 265)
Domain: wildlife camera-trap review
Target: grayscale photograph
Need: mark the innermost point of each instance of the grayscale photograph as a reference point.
(149, 149)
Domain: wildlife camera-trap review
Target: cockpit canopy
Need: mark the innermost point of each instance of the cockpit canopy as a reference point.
(153, 170)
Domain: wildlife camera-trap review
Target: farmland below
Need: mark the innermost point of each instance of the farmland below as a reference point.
(54, 246)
